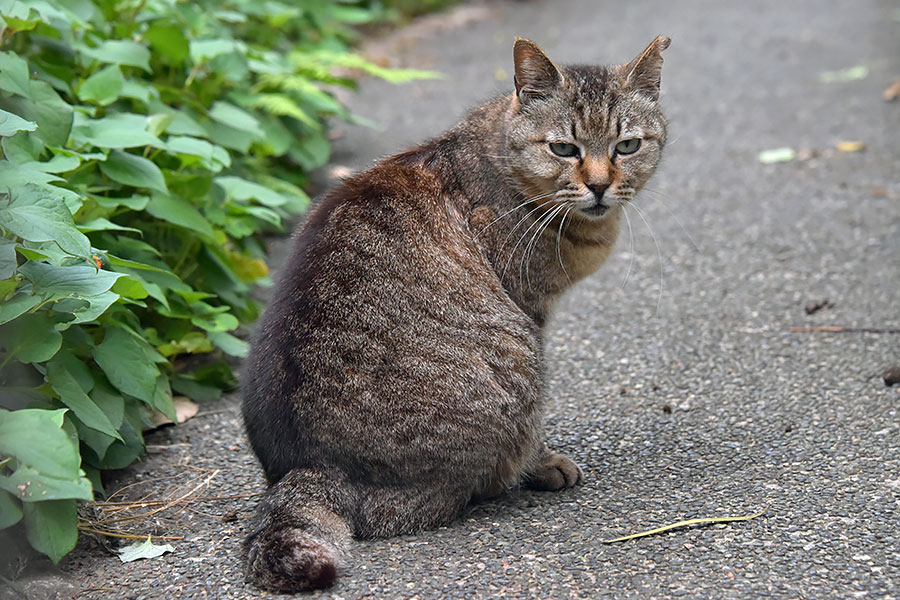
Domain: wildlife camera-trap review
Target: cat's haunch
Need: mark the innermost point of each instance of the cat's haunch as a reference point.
(397, 373)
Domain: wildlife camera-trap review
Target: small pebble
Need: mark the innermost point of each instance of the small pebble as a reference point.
(891, 375)
(815, 306)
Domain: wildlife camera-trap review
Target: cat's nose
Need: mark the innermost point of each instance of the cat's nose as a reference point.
(598, 189)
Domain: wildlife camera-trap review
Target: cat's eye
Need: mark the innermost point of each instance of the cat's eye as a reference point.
(628, 146)
(564, 150)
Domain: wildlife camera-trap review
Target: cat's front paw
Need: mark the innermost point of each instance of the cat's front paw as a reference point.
(556, 472)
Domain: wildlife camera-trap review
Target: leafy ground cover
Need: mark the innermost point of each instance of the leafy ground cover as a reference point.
(147, 148)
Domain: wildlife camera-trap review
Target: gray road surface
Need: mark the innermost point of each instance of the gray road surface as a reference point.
(682, 394)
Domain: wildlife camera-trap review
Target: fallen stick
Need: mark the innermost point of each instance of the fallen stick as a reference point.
(840, 329)
(685, 524)
(144, 503)
(128, 536)
(167, 505)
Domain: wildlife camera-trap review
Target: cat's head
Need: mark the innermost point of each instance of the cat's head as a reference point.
(587, 136)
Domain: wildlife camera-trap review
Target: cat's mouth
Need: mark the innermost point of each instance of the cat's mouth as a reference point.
(597, 209)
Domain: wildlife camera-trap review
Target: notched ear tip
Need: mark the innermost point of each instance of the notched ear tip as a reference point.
(643, 73)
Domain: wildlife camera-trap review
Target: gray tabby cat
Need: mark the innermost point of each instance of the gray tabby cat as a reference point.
(397, 374)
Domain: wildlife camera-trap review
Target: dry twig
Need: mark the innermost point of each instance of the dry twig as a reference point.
(685, 524)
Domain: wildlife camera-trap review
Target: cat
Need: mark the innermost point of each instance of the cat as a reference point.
(396, 375)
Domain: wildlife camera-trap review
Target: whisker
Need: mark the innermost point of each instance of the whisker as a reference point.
(527, 200)
(672, 142)
(558, 241)
(630, 249)
(658, 196)
(533, 243)
(658, 255)
(512, 253)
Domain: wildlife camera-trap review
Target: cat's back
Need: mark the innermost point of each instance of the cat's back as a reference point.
(387, 310)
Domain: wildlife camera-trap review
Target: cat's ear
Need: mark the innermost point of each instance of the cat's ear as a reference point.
(643, 73)
(536, 76)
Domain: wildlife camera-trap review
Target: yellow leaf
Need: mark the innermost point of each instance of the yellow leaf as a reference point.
(850, 146)
(247, 267)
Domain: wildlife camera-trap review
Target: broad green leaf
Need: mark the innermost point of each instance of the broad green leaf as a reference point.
(52, 527)
(43, 105)
(14, 74)
(133, 170)
(219, 322)
(93, 439)
(193, 389)
(10, 124)
(47, 251)
(241, 189)
(230, 137)
(10, 510)
(157, 123)
(103, 87)
(60, 163)
(130, 287)
(119, 455)
(37, 215)
(55, 455)
(135, 202)
(31, 338)
(232, 116)
(96, 306)
(162, 398)
(17, 305)
(22, 147)
(203, 50)
(8, 261)
(16, 176)
(186, 148)
(184, 124)
(231, 345)
(101, 224)
(45, 10)
(110, 401)
(74, 280)
(180, 212)
(29, 485)
(132, 264)
(139, 90)
(119, 52)
(311, 151)
(145, 549)
(72, 395)
(168, 41)
(194, 342)
(75, 365)
(355, 15)
(120, 130)
(126, 363)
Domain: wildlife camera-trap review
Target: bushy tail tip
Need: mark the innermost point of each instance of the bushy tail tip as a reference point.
(291, 560)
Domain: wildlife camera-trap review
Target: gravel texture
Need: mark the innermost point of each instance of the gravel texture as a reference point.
(682, 393)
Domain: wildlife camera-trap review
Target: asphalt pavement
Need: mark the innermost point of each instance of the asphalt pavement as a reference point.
(676, 381)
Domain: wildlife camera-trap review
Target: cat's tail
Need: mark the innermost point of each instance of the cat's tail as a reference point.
(298, 539)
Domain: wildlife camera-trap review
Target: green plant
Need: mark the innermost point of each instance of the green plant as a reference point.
(147, 148)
